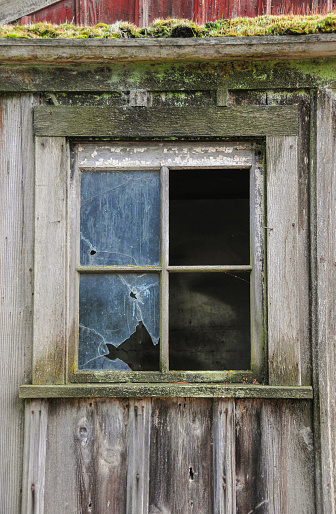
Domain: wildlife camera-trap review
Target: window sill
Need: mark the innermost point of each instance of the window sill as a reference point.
(165, 390)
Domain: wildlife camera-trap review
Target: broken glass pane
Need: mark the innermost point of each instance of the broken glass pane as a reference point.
(211, 206)
(120, 218)
(209, 321)
(119, 321)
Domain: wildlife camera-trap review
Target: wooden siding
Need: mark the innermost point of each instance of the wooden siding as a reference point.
(16, 284)
(173, 456)
(143, 12)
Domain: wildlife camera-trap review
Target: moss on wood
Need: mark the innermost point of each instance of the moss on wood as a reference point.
(174, 28)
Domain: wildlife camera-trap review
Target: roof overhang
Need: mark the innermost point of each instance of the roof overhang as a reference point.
(109, 51)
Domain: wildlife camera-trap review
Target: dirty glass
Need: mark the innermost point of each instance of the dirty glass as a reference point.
(120, 218)
(209, 217)
(209, 321)
(119, 321)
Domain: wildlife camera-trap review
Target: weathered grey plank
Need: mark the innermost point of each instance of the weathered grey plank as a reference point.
(36, 421)
(181, 464)
(142, 390)
(13, 10)
(165, 122)
(51, 261)
(274, 457)
(86, 463)
(154, 155)
(168, 49)
(324, 286)
(138, 456)
(286, 300)
(16, 271)
(185, 83)
(224, 456)
(303, 100)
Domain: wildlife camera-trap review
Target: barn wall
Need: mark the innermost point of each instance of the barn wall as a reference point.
(175, 455)
(16, 283)
(143, 12)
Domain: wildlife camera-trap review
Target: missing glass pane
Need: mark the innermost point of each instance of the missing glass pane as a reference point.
(120, 218)
(209, 321)
(119, 322)
(209, 217)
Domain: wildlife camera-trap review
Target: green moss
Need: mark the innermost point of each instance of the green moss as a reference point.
(173, 28)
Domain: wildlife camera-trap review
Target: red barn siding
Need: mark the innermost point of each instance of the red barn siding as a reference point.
(143, 12)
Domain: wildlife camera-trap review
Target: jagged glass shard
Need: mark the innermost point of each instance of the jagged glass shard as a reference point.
(120, 218)
(119, 320)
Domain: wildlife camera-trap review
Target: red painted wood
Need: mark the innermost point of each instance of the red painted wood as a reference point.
(58, 13)
(143, 12)
(170, 9)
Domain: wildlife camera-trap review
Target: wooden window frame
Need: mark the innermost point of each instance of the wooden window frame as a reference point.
(55, 305)
(237, 155)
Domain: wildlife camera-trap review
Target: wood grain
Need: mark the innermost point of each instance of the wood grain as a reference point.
(224, 456)
(94, 51)
(138, 455)
(181, 457)
(51, 261)
(86, 457)
(286, 300)
(324, 284)
(274, 457)
(16, 284)
(35, 452)
(164, 122)
(11, 11)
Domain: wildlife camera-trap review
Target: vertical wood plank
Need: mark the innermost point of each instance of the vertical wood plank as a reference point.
(143, 13)
(324, 286)
(16, 284)
(36, 420)
(257, 245)
(51, 261)
(303, 241)
(138, 456)
(86, 456)
(275, 457)
(224, 456)
(283, 262)
(181, 456)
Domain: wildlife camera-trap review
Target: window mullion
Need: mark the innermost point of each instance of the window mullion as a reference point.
(164, 350)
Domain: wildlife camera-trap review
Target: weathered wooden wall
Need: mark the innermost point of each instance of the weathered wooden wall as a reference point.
(173, 456)
(16, 284)
(143, 12)
(177, 455)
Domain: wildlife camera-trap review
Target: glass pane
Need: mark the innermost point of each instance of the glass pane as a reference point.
(119, 322)
(120, 218)
(209, 218)
(209, 321)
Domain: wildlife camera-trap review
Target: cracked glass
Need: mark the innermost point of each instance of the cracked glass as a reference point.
(120, 218)
(119, 313)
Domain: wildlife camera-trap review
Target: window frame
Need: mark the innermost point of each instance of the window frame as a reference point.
(239, 155)
(54, 306)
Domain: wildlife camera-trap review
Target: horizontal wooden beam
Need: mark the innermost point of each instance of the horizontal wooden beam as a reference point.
(143, 122)
(164, 390)
(60, 51)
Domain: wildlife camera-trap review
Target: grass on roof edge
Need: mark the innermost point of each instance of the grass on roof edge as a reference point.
(175, 28)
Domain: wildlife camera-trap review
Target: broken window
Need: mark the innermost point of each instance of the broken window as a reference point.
(165, 273)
